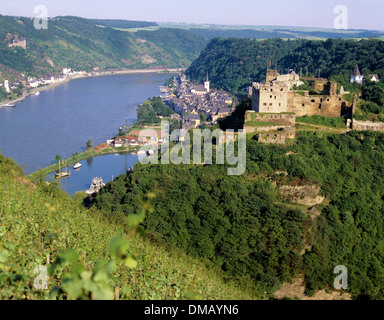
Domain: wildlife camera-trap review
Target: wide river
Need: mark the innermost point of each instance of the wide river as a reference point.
(60, 121)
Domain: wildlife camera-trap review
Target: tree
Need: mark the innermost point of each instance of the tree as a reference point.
(203, 117)
(3, 93)
(89, 144)
(58, 158)
(373, 91)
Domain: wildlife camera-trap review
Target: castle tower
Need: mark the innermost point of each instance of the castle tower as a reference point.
(333, 88)
(207, 84)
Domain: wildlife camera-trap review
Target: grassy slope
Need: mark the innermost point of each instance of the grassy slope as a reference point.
(36, 223)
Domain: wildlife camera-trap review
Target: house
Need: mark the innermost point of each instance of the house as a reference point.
(374, 77)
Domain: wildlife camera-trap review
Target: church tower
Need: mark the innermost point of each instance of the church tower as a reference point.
(207, 83)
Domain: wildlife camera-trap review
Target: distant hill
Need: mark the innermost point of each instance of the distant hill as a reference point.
(210, 31)
(233, 64)
(83, 44)
(124, 24)
(286, 33)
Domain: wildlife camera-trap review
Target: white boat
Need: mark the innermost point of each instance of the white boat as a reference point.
(10, 105)
(141, 152)
(37, 93)
(77, 166)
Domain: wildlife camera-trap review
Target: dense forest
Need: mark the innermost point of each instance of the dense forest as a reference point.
(242, 225)
(233, 64)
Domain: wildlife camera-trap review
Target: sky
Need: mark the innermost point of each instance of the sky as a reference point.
(362, 14)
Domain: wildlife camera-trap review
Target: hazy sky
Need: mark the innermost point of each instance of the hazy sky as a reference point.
(362, 14)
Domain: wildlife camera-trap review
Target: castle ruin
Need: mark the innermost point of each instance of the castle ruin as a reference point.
(278, 94)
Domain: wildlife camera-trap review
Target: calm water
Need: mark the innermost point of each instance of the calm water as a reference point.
(59, 122)
(107, 167)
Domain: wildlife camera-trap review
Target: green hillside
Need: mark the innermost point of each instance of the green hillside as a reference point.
(234, 63)
(248, 227)
(83, 44)
(41, 225)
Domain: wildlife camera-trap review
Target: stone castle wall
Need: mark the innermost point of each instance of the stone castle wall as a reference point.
(328, 106)
(277, 99)
(367, 125)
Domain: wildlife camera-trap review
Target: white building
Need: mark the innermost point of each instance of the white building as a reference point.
(67, 71)
(6, 86)
(356, 76)
(374, 77)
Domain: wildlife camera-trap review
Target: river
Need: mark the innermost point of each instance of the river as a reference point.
(60, 120)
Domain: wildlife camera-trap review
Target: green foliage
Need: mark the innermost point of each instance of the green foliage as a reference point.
(324, 121)
(149, 111)
(234, 63)
(179, 44)
(89, 144)
(231, 223)
(3, 93)
(236, 223)
(374, 92)
(58, 158)
(43, 227)
(83, 44)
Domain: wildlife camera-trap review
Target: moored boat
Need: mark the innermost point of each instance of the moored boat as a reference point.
(62, 174)
(77, 166)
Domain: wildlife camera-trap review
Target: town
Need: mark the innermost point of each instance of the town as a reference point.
(197, 103)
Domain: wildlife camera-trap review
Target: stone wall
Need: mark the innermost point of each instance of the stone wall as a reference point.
(276, 96)
(272, 138)
(328, 106)
(367, 125)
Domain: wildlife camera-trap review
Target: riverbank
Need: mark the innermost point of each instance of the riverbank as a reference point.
(92, 74)
(100, 150)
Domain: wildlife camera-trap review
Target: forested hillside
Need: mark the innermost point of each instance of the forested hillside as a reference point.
(242, 225)
(89, 254)
(83, 44)
(234, 63)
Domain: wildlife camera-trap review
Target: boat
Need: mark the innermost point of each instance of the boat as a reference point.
(77, 166)
(37, 93)
(140, 152)
(96, 185)
(62, 174)
(10, 105)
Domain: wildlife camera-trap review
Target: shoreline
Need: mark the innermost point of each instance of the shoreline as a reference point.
(80, 157)
(89, 75)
